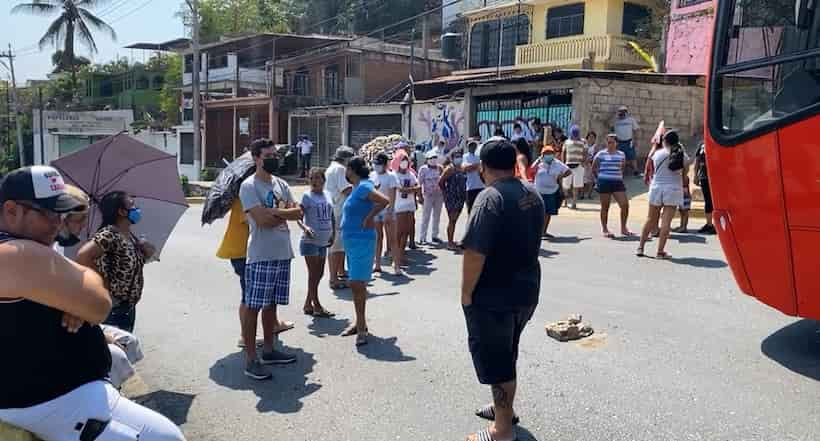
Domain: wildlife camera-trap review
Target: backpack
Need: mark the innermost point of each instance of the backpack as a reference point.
(677, 158)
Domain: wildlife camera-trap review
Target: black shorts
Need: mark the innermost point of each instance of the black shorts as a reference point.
(707, 197)
(493, 337)
(609, 187)
(471, 195)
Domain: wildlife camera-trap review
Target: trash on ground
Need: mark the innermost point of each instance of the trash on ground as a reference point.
(573, 328)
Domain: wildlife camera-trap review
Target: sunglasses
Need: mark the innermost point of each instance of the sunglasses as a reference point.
(49, 214)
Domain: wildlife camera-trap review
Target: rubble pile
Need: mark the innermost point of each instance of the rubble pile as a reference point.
(383, 144)
(573, 328)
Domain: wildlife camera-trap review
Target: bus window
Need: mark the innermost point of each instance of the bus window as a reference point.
(767, 65)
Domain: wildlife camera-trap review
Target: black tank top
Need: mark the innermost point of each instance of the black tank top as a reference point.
(41, 360)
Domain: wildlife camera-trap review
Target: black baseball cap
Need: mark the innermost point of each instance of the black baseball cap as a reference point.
(498, 155)
(40, 185)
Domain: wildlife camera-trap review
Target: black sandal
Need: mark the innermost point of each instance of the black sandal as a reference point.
(488, 413)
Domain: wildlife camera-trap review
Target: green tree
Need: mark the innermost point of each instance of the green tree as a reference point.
(169, 97)
(75, 21)
(61, 65)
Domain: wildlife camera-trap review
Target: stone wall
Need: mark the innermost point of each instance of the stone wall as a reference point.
(595, 102)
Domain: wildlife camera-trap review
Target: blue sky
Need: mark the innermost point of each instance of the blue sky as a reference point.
(133, 20)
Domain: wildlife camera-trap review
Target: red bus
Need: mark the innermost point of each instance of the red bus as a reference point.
(763, 148)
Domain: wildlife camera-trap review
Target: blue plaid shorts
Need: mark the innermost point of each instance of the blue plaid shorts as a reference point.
(267, 284)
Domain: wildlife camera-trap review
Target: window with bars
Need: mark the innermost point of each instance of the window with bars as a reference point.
(564, 21)
(301, 82)
(687, 3)
(484, 41)
(635, 16)
(332, 89)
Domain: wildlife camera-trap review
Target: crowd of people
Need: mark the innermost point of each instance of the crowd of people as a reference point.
(356, 216)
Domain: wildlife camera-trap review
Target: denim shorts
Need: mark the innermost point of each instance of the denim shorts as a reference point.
(385, 215)
(307, 249)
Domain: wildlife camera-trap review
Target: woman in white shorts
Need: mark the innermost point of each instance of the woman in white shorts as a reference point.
(665, 194)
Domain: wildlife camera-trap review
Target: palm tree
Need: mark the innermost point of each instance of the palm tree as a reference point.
(75, 21)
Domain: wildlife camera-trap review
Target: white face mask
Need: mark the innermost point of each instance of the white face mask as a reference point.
(457, 162)
(404, 165)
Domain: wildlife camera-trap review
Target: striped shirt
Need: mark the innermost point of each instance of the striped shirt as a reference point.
(610, 165)
(574, 151)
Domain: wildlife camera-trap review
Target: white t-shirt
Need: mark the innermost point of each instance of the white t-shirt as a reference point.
(306, 147)
(407, 203)
(546, 177)
(663, 175)
(336, 182)
(624, 128)
(384, 182)
(474, 181)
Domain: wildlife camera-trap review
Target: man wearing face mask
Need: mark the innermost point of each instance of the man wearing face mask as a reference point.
(269, 203)
(339, 189)
(470, 166)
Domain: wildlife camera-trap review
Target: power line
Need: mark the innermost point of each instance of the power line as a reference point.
(146, 3)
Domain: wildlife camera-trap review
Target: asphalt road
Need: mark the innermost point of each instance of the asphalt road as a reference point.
(678, 354)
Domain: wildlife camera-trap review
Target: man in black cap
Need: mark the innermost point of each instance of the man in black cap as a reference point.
(56, 359)
(501, 280)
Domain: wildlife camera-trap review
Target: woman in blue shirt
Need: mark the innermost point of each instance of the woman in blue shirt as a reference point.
(359, 236)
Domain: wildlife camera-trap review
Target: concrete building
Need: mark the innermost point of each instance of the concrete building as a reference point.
(66, 132)
(690, 36)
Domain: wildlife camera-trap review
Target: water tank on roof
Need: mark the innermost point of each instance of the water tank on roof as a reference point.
(451, 46)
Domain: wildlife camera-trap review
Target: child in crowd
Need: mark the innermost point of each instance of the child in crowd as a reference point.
(319, 233)
(589, 176)
(686, 207)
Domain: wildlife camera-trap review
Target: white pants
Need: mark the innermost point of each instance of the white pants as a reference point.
(57, 420)
(576, 179)
(432, 207)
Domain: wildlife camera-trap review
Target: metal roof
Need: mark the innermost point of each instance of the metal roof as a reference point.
(175, 44)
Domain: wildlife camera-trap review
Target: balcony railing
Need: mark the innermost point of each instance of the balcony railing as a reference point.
(571, 51)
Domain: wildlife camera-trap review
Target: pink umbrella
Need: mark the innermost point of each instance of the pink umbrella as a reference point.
(121, 163)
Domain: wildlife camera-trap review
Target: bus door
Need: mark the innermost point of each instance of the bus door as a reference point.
(765, 96)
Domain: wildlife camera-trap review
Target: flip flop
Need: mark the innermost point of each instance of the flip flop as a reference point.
(338, 285)
(609, 236)
(361, 339)
(377, 270)
(664, 256)
(350, 331)
(484, 435)
(323, 313)
(309, 312)
(640, 253)
(288, 326)
(627, 234)
(488, 413)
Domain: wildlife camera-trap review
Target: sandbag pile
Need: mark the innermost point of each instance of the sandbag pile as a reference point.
(383, 144)
(573, 328)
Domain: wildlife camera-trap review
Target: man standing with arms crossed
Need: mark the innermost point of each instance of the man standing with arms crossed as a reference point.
(306, 151)
(501, 281)
(470, 166)
(269, 204)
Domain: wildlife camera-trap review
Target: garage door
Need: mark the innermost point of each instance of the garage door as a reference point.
(362, 129)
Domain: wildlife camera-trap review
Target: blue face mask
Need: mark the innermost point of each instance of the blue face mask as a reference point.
(549, 158)
(134, 215)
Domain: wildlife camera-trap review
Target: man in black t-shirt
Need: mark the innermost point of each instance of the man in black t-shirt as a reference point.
(702, 181)
(53, 378)
(502, 279)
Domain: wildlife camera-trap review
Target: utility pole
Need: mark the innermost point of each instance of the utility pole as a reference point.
(425, 44)
(412, 92)
(197, 65)
(17, 117)
(42, 129)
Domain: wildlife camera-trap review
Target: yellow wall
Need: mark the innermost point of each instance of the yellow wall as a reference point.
(601, 17)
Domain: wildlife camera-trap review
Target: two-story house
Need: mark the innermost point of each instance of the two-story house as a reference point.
(564, 62)
(251, 84)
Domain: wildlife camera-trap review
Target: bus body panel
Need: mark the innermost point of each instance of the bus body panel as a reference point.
(746, 184)
(800, 156)
(806, 246)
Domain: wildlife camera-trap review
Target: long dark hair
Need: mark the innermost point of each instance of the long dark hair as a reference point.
(110, 207)
(359, 166)
(524, 148)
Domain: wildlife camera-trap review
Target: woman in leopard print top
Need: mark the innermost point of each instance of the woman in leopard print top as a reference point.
(119, 257)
